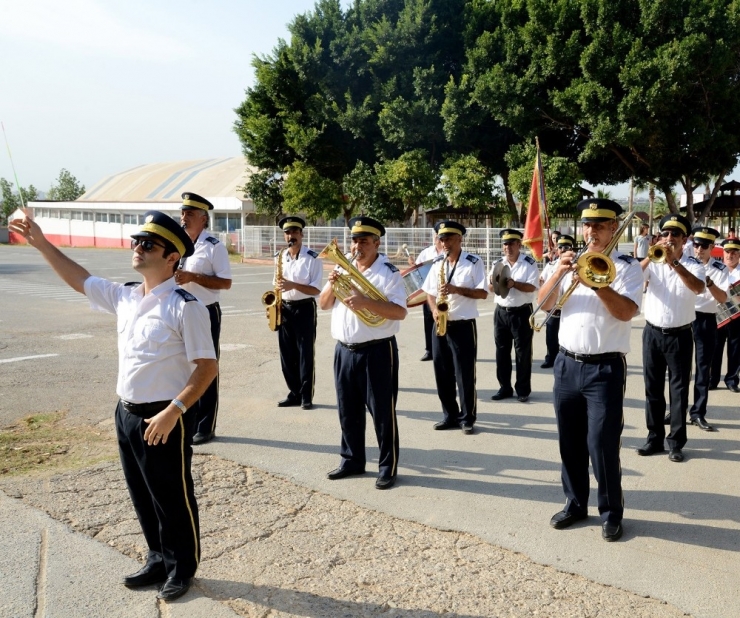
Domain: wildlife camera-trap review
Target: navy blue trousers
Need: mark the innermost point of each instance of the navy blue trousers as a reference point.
(588, 407)
(730, 334)
(704, 328)
(297, 339)
(672, 353)
(454, 358)
(512, 328)
(160, 484)
(207, 409)
(368, 378)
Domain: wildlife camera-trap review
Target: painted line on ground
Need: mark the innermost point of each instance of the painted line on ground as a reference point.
(22, 358)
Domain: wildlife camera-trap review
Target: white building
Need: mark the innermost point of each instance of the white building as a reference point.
(111, 210)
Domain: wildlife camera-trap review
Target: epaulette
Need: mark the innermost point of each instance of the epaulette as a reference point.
(530, 259)
(719, 265)
(472, 258)
(132, 283)
(627, 258)
(392, 267)
(501, 259)
(277, 253)
(312, 253)
(187, 296)
(693, 259)
(212, 240)
(438, 258)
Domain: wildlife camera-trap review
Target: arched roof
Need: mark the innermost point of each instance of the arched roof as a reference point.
(165, 182)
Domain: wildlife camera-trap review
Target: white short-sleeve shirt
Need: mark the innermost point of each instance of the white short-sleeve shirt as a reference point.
(209, 258)
(468, 273)
(668, 302)
(306, 269)
(523, 270)
(718, 273)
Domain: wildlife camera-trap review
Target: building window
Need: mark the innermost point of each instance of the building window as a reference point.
(130, 219)
(87, 216)
(66, 214)
(114, 218)
(101, 217)
(77, 215)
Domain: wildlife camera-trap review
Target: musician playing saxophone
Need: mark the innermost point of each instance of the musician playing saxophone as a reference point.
(366, 357)
(454, 353)
(299, 283)
(590, 371)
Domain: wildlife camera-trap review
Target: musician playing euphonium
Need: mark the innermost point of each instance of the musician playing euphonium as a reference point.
(667, 342)
(300, 283)
(454, 354)
(366, 357)
(590, 371)
(730, 333)
(704, 326)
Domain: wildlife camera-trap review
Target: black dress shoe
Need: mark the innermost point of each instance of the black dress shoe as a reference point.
(340, 473)
(667, 419)
(307, 405)
(712, 387)
(611, 532)
(502, 395)
(174, 588)
(146, 576)
(288, 401)
(563, 519)
(675, 454)
(701, 424)
(523, 398)
(442, 425)
(385, 482)
(202, 438)
(467, 429)
(546, 365)
(427, 356)
(650, 449)
(734, 388)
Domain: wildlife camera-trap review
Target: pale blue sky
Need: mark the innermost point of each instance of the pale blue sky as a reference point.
(98, 86)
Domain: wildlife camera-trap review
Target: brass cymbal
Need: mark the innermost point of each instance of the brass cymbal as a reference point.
(500, 279)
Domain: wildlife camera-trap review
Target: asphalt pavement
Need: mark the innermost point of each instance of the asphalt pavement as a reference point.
(502, 484)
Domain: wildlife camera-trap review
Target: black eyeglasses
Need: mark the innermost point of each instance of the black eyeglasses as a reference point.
(146, 245)
(674, 233)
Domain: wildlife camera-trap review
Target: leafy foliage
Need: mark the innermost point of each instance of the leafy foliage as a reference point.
(66, 189)
(11, 200)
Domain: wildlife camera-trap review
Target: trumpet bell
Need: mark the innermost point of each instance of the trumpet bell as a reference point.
(656, 254)
(596, 269)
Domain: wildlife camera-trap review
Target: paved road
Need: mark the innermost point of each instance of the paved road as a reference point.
(682, 527)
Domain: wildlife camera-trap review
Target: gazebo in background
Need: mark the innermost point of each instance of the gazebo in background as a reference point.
(726, 206)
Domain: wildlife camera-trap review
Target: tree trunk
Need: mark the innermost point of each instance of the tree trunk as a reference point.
(705, 211)
(510, 203)
(689, 188)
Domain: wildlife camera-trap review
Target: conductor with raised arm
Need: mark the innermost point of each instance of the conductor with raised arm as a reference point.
(166, 362)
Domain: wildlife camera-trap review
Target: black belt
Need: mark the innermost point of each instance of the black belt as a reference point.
(591, 359)
(145, 409)
(365, 344)
(302, 301)
(669, 331)
(515, 309)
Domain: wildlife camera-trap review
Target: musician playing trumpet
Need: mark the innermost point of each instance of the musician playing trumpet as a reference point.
(299, 282)
(590, 370)
(366, 356)
(455, 352)
(667, 343)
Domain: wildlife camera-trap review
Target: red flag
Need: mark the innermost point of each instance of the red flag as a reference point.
(536, 212)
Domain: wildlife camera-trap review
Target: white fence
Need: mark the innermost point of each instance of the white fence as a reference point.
(264, 241)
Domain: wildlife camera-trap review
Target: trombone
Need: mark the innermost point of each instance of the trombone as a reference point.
(597, 269)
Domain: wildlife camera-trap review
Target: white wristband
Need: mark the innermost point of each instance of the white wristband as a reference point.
(180, 404)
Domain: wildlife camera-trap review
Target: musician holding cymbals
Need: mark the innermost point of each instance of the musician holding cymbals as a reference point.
(299, 282)
(459, 278)
(590, 370)
(704, 326)
(730, 333)
(675, 279)
(511, 318)
(365, 322)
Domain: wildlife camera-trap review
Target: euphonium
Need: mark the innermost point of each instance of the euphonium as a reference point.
(595, 269)
(273, 299)
(443, 302)
(656, 253)
(353, 281)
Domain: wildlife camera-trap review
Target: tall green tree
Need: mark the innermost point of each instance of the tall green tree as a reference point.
(642, 88)
(467, 183)
(66, 189)
(11, 200)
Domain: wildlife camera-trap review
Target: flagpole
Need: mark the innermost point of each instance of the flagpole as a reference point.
(15, 175)
(543, 195)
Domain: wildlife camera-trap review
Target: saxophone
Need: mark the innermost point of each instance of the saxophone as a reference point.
(353, 281)
(273, 299)
(443, 302)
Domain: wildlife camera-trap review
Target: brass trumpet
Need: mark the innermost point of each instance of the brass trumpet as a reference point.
(352, 282)
(657, 254)
(596, 269)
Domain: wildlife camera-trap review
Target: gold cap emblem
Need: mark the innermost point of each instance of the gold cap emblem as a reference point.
(593, 206)
(149, 219)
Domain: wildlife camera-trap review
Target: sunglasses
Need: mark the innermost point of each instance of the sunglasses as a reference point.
(701, 245)
(565, 247)
(145, 244)
(674, 233)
